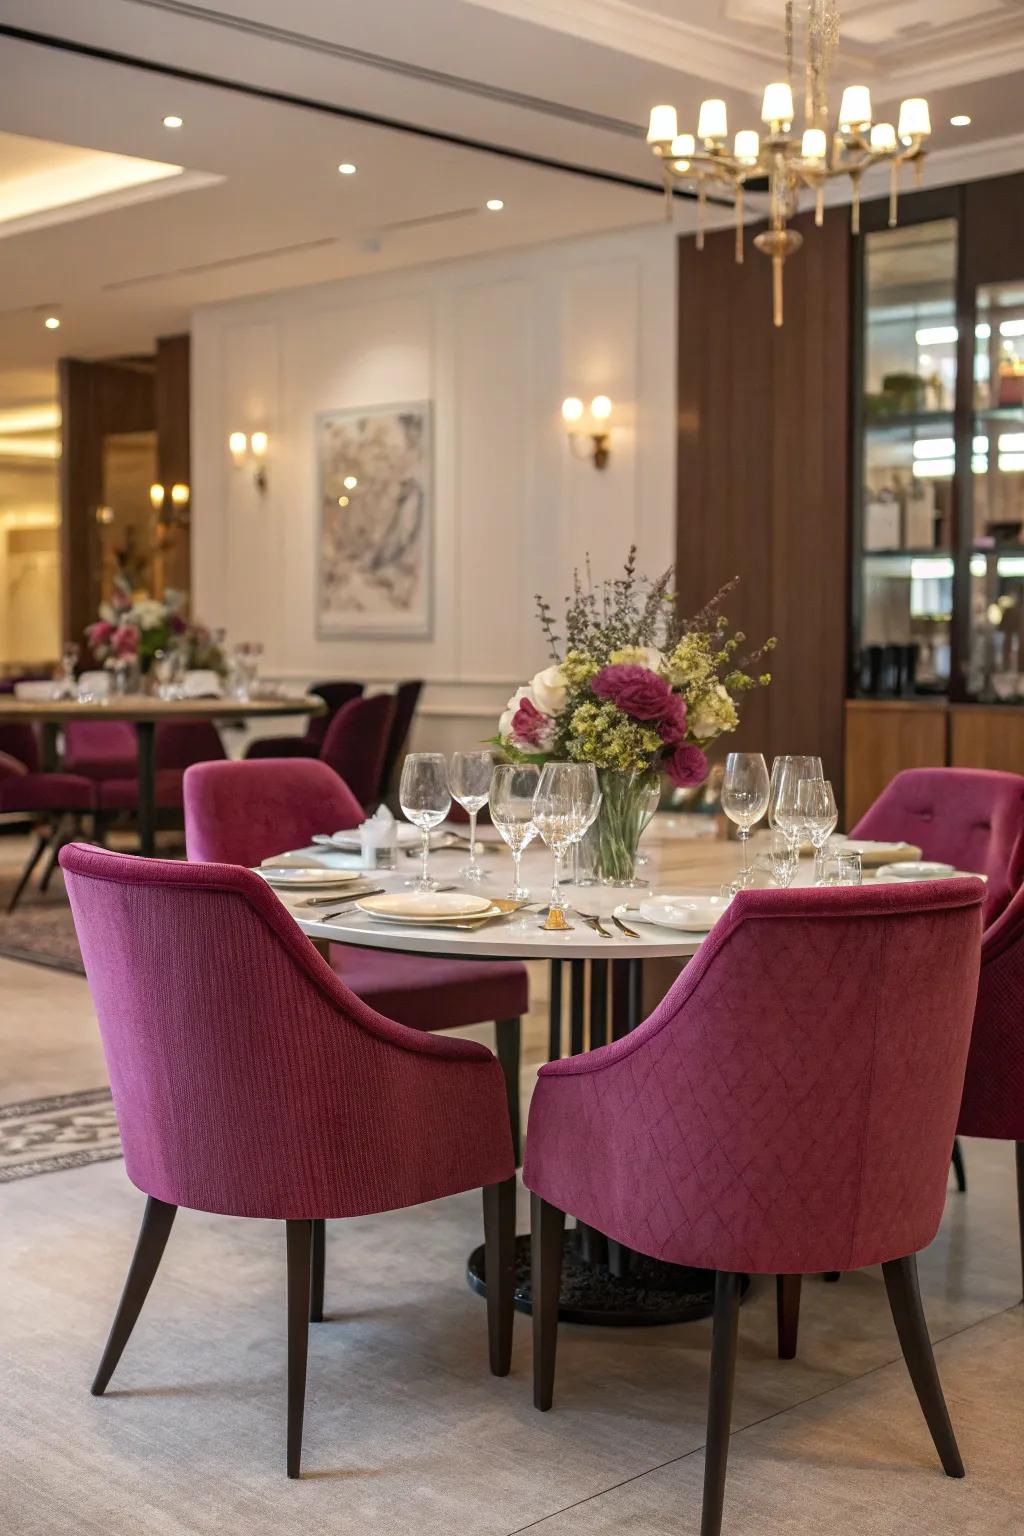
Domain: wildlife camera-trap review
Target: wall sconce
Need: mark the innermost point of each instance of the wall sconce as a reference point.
(179, 494)
(589, 430)
(253, 448)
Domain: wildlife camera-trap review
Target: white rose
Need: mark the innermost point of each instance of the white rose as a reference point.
(640, 656)
(149, 614)
(548, 691)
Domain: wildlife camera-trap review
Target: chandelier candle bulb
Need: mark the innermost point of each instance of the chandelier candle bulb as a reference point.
(747, 146)
(777, 106)
(663, 126)
(713, 123)
(855, 110)
(814, 145)
(915, 120)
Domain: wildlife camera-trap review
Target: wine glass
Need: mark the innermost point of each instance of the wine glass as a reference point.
(586, 800)
(781, 858)
(68, 663)
(559, 810)
(818, 813)
(745, 799)
(471, 781)
(513, 786)
(425, 800)
(786, 774)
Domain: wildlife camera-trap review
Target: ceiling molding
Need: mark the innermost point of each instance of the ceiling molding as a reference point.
(107, 202)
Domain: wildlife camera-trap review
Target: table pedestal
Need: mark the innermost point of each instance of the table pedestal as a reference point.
(604, 1283)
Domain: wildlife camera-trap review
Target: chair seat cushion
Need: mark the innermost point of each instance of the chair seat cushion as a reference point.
(47, 792)
(123, 794)
(431, 992)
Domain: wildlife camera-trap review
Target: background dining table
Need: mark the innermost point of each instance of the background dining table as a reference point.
(145, 712)
(613, 983)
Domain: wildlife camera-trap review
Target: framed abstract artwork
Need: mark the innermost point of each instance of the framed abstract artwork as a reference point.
(375, 490)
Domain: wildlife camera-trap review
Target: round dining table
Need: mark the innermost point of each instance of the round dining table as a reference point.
(596, 994)
(146, 712)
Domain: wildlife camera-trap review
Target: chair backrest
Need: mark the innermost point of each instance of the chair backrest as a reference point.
(179, 743)
(18, 740)
(245, 812)
(356, 742)
(993, 1102)
(407, 696)
(247, 1079)
(972, 818)
(793, 1099)
(101, 749)
(335, 696)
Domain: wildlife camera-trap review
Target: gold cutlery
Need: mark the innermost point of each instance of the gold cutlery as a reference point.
(332, 901)
(630, 933)
(592, 920)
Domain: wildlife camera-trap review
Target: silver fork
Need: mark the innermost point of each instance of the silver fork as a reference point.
(593, 921)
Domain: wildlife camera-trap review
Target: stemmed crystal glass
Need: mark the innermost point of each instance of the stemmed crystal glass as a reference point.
(425, 799)
(470, 779)
(786, 774)
(818, 813)
(513, 787)
(745, 799)
(68, 663)
(567, 801)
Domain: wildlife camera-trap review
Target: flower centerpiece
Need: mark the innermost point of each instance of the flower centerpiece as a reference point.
(133, 626)
(637, 692)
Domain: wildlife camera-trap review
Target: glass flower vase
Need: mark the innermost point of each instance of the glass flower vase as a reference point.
(629, 798)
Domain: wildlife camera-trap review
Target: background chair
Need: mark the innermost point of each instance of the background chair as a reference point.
(355, 745)
(407, 697)
(249, 1081)
(56, 801)
(972, 818)
(179, 744)
(100, 749)
(243, 813)
(788, 1108)
(334, 695)
(993, 1101)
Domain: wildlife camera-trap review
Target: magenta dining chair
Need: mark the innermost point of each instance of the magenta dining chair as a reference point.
(355, 745)
(249, 1081)
(178, 744)
(335, 696)
(101, 749)
(972, 818)
(993, 1101)
(246, 812)
(57, 802)
(788, 1108)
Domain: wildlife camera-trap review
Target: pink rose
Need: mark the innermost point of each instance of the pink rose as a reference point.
(99, 633)
(177, 624)
(531, 730)
(636, 690)
(686, 767)
(125, 640)
(672, 725)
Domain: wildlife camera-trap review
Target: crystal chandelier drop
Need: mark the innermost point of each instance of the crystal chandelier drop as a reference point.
(787, 162)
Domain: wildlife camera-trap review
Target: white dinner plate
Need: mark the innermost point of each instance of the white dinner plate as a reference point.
(425, 906)
(285, 876)
(687, 912)
(918, 869)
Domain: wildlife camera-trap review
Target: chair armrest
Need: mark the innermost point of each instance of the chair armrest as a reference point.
(11, 767)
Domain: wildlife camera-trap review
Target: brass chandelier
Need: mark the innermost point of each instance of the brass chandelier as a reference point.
(787, 162)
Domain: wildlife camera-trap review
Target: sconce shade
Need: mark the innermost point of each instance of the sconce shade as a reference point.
(713, 122)
(814, 145)
(600, 408)
(777, 104)
(572, 409)
(663, 125)
(156, 495)
(180, 495)
(883, 136)
(855, 109)
(237, 444)
(914, 118)
(258, 444)
(747, 146)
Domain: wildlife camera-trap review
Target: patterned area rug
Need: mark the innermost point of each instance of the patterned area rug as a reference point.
(67, 1130)
(40, 929)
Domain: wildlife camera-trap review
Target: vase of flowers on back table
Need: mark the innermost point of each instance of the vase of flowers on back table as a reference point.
(637, 692)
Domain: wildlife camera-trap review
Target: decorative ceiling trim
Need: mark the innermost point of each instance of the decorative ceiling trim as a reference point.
(106, 202)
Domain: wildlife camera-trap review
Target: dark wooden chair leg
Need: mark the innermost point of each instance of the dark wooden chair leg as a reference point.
(618, 1259)
(723, 1374)
(833, 1276)
(907, 1313)
(508, 1036)
(56, 843)
(300, 1254)
(42, 843)
(1020, 1202)
(319, 1264)
(787, 1309)
(958, 1166)
(152, 1240)
(499, 1267)
(547, 1229)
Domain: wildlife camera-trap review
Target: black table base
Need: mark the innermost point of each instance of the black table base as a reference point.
(649, 1292)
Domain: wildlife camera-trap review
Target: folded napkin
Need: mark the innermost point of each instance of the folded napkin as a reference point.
(38, 693)
(874, 858)
(202, 683)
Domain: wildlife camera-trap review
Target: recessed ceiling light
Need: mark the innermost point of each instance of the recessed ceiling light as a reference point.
(173, 121)
(495, 204)
(350, 482)
(52, 323)
(961, 120)
(346, 168)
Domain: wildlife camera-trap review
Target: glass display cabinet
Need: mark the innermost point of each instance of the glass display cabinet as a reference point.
(937, 515)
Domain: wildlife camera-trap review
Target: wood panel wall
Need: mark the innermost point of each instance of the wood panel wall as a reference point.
(172, 394)
(763, 471)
